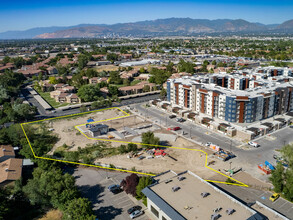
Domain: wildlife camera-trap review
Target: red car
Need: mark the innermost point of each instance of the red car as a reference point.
(176, 128)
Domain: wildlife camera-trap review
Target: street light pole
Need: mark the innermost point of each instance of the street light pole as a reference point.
(190, 131)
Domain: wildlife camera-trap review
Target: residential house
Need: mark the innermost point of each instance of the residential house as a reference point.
(95, 80)
(73, 99)
(129, 74)
(126, 56)
(52, 70)
(136, 89)
(6, 152)
(10, 170)
(143, 77)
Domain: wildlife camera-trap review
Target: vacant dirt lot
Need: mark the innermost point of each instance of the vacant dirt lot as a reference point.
(106, 68)
(184, 159)
(67, 133)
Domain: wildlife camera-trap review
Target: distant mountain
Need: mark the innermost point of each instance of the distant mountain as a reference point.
(31, 33)
(287, 25)
(159, 27)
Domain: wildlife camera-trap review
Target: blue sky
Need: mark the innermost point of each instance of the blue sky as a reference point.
(25, 14)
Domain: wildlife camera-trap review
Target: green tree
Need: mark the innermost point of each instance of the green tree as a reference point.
(89, 92)
(79, 209)
(149, 139)
(51, 188)
(5, 60)
(163, 93)
(113, 90)
(115, 78)
(53, 80)
(144, 181)
(4, 202)
(82, 61)
(277, 178)
(112, 57)
(184, 66)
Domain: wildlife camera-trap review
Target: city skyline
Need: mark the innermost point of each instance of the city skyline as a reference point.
(18, 15)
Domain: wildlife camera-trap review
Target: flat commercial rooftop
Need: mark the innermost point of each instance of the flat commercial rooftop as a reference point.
(188, 200)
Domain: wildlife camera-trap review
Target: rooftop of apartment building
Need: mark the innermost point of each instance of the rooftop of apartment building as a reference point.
(267, 85)
(187, 201)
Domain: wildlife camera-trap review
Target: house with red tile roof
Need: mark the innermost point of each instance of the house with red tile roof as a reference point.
(138, 88)
(6, 152)
(10, 170)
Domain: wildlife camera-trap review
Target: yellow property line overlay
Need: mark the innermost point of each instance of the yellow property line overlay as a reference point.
(238, 183)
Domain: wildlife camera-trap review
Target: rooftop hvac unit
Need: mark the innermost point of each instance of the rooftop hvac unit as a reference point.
(175, 188)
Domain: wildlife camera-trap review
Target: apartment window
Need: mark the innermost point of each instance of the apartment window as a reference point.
(155, 211)
(163, 218)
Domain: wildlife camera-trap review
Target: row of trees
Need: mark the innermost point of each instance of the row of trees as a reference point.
(133, 185)
(282, 178)
(13, 109)
(48, 187)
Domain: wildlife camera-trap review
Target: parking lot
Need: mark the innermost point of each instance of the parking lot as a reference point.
(93, 183)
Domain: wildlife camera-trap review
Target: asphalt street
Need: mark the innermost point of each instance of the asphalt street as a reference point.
(268, 144)
(198, 133)
(42, 113)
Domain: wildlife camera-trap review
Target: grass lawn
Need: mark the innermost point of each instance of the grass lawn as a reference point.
(51, 101)
(118, 86)
(134, 82)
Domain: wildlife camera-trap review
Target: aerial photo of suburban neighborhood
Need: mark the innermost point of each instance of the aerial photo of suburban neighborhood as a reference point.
(147, 110)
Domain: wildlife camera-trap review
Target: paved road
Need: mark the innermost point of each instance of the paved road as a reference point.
(42, 113)
(30, 98)
(247, 159)
(197, 132)
(93, 183)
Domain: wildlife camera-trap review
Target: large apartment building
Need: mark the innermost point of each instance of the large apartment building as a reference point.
(240, 98)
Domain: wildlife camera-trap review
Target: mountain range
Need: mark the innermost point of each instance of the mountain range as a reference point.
(159, 27)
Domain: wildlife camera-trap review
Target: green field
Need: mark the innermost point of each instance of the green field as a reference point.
(51, 101)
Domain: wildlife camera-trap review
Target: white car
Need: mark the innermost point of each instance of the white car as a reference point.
(136, 214)
(254, 144)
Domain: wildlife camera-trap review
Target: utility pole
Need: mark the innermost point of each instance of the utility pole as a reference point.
(190, 131)
(166, 121)
(230, 145)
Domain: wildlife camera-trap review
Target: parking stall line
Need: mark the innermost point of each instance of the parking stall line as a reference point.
(285, 202)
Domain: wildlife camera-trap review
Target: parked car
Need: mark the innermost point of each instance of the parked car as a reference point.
(136, 214)
(172, 116)
(254, 144)
(180, 120)
(116, 190)
(208, 144)
(274, 197)
(112, 187)
(176, 128)
(141, 157)
(134, 208)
